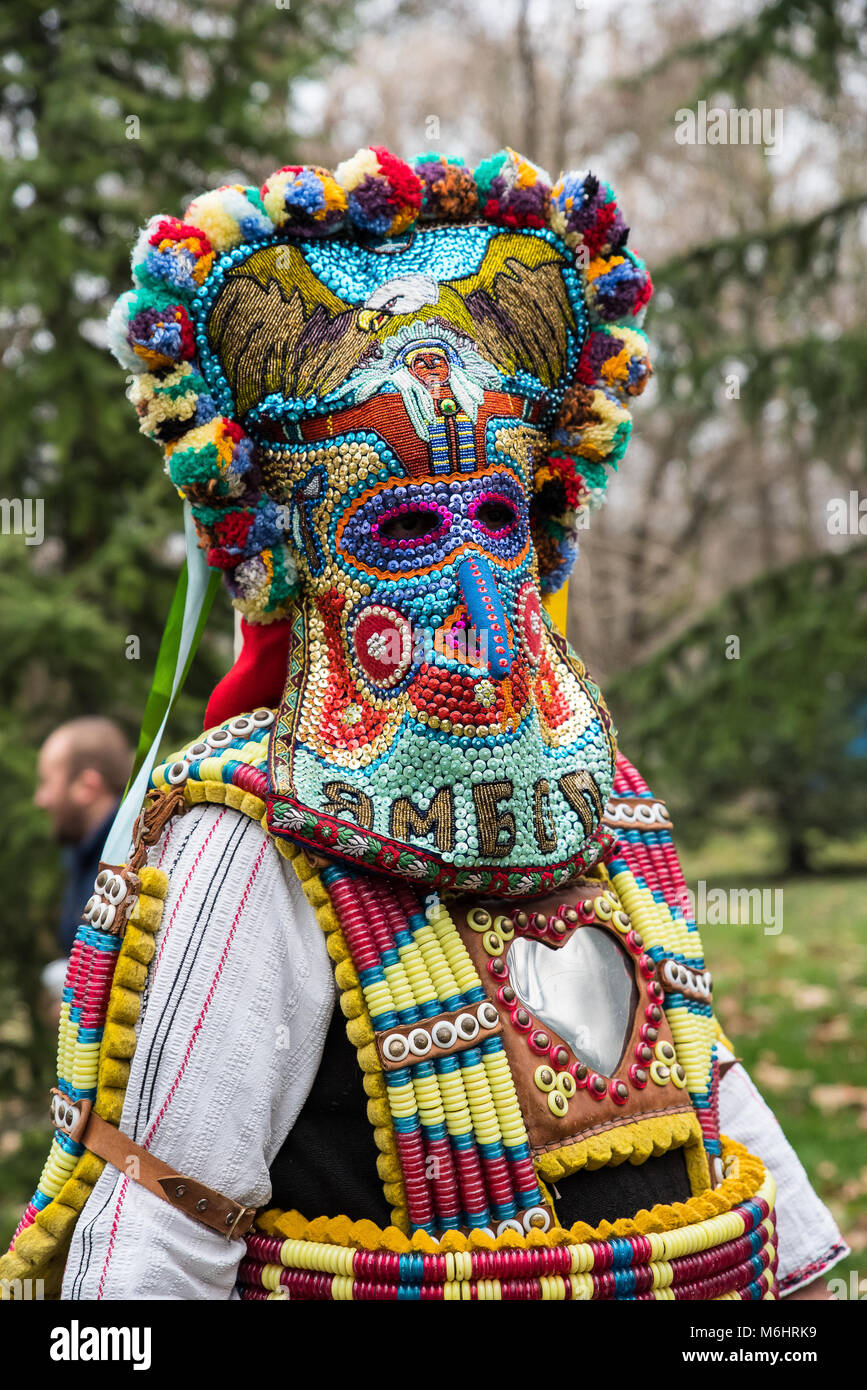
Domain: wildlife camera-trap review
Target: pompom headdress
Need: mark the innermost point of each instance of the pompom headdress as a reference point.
(210, 457)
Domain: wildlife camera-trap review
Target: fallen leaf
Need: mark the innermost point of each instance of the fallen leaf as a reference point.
(776, 1078)
(810, 996)
(838, 1097)
(856, 1236)
(832, 1030)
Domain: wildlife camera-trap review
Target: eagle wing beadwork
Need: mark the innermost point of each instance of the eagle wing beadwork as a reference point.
(277, 328)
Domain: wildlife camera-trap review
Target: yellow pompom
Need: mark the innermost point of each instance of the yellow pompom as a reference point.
(154, 882)
(118, 1040)
(147, 913)
(124, 1007)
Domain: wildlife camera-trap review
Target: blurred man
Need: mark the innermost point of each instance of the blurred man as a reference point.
(81, 774)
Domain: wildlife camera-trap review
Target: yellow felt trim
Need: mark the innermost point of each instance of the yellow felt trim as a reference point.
(751, 1178)
(40, 1250)
(721, 1036)
(632, 1143)
(557, 607)
(697, 1166)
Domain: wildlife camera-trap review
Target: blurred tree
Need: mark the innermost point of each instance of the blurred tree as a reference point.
(765, 698)
(759, 341)
(760, 354)
(110, 111)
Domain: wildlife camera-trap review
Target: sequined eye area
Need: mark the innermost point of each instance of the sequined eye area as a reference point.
(495, 514)
(411, 524)
(419, 526)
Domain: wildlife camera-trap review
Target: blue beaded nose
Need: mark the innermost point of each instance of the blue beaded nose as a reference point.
(485, 610)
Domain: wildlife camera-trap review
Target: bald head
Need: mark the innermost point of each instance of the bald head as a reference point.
(82, 771)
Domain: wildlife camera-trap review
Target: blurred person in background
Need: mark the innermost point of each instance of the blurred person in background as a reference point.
(81, 774)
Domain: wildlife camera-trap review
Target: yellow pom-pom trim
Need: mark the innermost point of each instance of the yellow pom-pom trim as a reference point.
(633, 1143)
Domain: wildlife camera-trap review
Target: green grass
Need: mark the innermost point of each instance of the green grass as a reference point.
(795, 1008)
(794, 1005)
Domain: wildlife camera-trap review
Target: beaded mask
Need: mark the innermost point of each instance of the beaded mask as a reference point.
(391, 396)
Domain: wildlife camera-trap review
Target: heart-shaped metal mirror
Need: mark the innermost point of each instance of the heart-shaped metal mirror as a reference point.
(584, 991)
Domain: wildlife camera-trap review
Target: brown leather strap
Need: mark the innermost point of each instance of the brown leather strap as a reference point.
(156, 812)
(193, 1198)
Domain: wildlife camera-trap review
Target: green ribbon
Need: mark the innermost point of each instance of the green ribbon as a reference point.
(197, 584)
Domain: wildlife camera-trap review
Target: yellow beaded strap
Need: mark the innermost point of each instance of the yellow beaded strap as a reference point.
(692, 1025)
(41, 1243)
(450, 1111)
(358, 1030)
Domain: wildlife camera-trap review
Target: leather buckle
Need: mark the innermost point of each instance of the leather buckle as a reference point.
(247, 1215)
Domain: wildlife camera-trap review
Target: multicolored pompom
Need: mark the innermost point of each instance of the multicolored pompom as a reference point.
(264, 586)
(171, 402)
(618, 287)
(617, 359)
(449, 192)
(512, 191)
(589, 438)
(593, 426)
(171, 254)
(555, 522)
(306, 201)
(384, 194)
(584, 213)
(159, 332)
(213, 459)
(230, 215)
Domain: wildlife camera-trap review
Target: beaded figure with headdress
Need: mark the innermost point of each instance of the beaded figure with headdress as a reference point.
(398, 986)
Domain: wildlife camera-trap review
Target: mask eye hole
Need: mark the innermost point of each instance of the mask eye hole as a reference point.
(495, 515)
(410, 524)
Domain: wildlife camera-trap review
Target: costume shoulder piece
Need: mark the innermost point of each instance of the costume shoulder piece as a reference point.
(391, 396)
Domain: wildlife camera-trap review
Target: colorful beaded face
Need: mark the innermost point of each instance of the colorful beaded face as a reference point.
(375, 400)
(434, 722)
